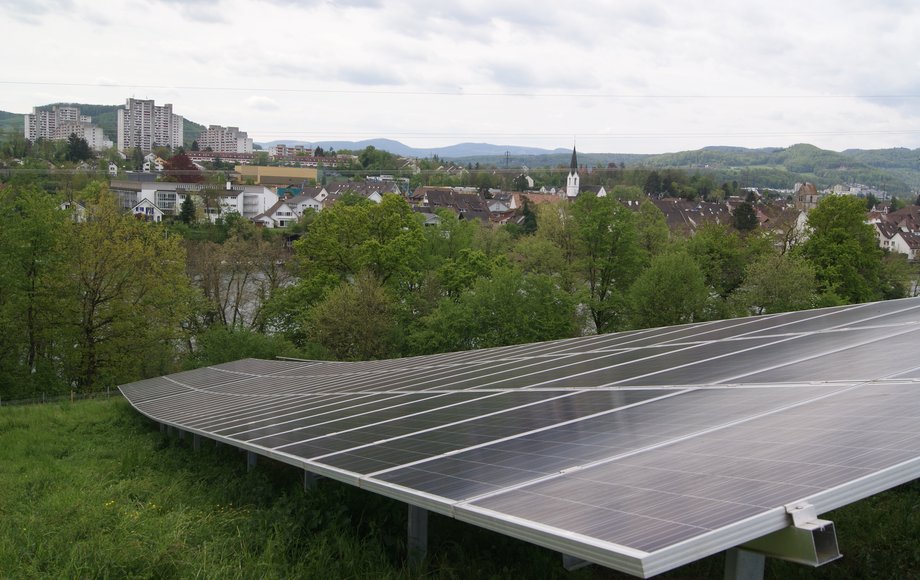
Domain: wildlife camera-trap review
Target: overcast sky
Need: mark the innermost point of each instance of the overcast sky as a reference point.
(629, 76)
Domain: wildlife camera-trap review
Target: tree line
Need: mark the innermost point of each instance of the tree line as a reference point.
(107, 299)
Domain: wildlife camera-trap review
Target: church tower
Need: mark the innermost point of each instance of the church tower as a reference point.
(571, 182)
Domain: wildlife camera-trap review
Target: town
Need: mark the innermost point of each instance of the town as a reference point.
(222, 173)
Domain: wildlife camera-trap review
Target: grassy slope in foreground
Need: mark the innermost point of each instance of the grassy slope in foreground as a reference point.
(93, 489)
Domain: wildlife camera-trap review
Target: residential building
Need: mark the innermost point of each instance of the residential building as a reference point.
(224, 140)
(806, 196)
(464, 205)
(248, 200)
(143, 125)
(60, 123)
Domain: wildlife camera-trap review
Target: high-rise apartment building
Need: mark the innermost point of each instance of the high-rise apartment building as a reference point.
(60, 123)
(224, 140)
(144, 125)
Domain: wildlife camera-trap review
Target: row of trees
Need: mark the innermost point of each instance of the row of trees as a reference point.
(114, 299)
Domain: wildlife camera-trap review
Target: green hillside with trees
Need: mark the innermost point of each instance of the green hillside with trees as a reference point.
(896, 171)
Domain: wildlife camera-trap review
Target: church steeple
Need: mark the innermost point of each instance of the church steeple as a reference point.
(572, 181)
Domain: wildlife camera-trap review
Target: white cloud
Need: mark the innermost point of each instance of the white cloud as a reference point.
(259, 103)
(751, 74)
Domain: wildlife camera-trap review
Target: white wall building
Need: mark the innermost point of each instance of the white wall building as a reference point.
(248, 200)
(60, 123)
(144, 125)
(225, 140)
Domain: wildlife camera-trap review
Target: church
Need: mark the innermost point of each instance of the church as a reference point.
(573, 182)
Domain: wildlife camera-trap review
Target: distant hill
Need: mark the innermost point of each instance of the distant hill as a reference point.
(894, 170)
(10, 121)
(103, 116)
(782, 167)
(397, 148)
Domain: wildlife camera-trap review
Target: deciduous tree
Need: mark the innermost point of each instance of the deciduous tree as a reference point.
(509, 307)
(671, 291)
(843, 249)
(609, 257)
(777, 283)
(129, 293)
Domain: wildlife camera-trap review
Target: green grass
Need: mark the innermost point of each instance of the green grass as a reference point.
(93, 490)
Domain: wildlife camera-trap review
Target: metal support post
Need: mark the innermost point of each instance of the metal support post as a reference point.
(572, 563)
(181, 435)
(251, 460)
(163, 428)
(417, 546)
(170, 430)
(743, 565)
(309, 480)
(196, 442)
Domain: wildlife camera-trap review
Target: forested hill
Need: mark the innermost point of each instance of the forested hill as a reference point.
(103, 116)
(894, 170)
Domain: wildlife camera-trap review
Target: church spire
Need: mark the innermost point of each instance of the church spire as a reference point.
(572, 181)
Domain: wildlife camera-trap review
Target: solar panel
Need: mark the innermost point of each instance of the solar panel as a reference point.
(640, 450)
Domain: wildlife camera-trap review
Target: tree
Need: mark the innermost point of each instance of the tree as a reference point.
(194, 146)
(356, 321)
(384, 239)
(843, 249)
(137, 159)
(222, 344)
(557, 225)
(238, 277)
(745, 217)
(181, 168)
(609, 257)
(536, 255)
(777, 283)
(129, 293)
(509, 307)
(652, 228)
(671, 291)
(33, 272)
(652, 183)
(520, 183)
(895, 204)
(77, 149)
(187, 210)
(456, 275)
(529, 223)
(721, 255)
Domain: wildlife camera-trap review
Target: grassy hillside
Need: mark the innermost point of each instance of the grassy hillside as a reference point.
(92, 489)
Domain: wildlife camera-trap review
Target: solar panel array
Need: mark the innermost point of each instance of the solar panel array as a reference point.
(638, 450)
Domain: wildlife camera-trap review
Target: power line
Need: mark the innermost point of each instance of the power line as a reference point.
(457, 93)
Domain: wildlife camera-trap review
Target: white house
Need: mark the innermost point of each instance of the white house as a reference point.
(247, 200)
(76, 209)
(906, 242)
(147, 211)
(302, 203)
(279, 215)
